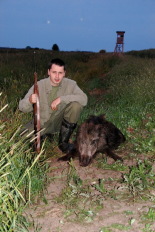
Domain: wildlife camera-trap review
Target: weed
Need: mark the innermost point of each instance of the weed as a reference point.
(149, 216)
(105, 229)
(148, 228)
(121, 227)
(140, 178)
(100, 186)
(117, 226)
(116, 166)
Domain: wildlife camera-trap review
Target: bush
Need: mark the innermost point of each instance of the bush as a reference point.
(55, 47)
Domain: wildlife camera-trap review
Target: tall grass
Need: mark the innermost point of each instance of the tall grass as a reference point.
(129, 91)
(21, 176)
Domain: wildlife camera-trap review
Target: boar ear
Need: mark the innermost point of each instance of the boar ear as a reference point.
(102, 116)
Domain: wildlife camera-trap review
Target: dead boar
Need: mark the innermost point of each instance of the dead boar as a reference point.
(95, 135)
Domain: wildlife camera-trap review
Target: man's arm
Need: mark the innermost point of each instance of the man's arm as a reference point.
(25, 104)
(77, 95)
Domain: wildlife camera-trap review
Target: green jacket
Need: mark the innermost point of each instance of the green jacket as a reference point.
(68, 91)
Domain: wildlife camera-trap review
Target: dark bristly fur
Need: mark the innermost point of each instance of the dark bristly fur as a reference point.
(95, 135)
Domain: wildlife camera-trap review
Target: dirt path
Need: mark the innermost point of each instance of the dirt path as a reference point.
(118, 212)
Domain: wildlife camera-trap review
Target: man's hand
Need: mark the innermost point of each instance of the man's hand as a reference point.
(33, 98)
(55, 103)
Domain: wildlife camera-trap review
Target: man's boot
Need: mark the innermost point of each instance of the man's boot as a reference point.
(64, 136)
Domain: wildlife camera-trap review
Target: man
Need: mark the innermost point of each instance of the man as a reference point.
(61, 102)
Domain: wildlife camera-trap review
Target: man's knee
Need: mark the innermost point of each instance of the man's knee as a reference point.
(72, 112)
(76, 106)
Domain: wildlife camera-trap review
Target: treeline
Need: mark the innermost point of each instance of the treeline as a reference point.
(55, 47)
(17, 50)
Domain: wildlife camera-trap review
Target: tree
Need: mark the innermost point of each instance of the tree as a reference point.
(28, 47)
(102, 51)
(55, 47)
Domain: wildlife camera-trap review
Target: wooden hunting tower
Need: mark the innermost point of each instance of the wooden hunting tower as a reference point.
(119, 48)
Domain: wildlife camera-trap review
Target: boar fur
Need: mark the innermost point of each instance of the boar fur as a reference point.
(95, 135)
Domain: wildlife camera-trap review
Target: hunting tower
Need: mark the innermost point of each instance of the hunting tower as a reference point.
(119, 48)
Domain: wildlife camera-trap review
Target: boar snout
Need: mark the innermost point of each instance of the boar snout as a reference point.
(85, 160)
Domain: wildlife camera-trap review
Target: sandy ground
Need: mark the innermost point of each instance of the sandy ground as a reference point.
(121, 210)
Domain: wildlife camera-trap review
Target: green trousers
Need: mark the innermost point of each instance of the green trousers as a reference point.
(70, 113)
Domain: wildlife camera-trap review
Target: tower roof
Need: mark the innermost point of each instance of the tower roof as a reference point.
(120, 32)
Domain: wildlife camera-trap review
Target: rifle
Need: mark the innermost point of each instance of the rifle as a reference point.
(36, 113)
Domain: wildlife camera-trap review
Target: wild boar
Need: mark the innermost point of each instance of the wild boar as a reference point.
(95, 135)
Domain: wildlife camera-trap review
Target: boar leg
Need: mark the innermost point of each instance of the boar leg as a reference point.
(68, 156)
(113, 155)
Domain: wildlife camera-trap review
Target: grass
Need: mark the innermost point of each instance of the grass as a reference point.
(21, 178)
(140, 178)
(128, 87)
(117, 166)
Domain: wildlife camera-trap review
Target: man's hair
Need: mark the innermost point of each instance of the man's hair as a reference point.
(58, 62)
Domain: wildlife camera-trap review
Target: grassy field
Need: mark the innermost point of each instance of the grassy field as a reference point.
(122, 87)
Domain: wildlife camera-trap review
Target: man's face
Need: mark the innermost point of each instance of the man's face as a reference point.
(56, 74)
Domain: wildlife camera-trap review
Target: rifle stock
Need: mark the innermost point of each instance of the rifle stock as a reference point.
(36, 113)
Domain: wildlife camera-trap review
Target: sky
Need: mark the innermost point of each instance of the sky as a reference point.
(77, 25)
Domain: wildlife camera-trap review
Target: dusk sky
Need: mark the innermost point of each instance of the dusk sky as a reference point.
(77, 25)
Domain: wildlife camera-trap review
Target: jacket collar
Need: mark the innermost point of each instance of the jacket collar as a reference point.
(49, 86)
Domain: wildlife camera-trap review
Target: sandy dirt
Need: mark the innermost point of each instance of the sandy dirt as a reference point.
(120, 212)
